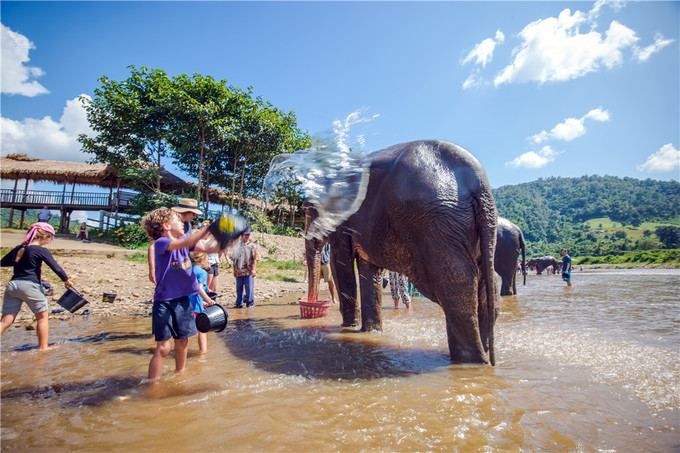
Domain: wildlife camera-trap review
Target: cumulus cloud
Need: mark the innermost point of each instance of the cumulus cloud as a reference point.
(643, 54)
(570, 128)
(534, 159)
(45, 138)
(17, 77)
(554, 50)
(665, 159)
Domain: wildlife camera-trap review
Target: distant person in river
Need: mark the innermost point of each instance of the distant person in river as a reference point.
(566, 267)
(399, 289)
(172, 312)
(326, 270)
(25, 285)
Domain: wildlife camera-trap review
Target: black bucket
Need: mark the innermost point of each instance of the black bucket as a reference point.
(227, 228)
(109, 297)
(72, 300)
(213, 318)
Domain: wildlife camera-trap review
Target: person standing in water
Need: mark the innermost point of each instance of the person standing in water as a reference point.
(172, 312)
(25, 285)
(399, 289)
(566, 267)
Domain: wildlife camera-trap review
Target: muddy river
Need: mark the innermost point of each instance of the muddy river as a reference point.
(589, 368)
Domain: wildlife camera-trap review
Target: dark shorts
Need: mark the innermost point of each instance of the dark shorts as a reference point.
(173, 319)
(214, 269)
(566, 276)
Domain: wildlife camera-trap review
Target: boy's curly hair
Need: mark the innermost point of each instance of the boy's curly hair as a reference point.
(153, 222)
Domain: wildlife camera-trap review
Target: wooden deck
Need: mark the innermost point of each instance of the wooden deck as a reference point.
(64, 201)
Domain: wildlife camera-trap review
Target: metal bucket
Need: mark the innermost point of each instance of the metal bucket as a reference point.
(212, 318)
(72, 300)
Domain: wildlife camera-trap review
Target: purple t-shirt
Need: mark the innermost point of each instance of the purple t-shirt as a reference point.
(174, 275)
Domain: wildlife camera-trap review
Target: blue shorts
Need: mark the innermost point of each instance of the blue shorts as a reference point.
(566, 276)
(173, 319)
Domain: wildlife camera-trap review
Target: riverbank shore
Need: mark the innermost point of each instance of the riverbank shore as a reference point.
(96, 268)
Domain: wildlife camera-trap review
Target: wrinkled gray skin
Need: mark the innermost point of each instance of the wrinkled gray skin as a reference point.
(541, 263)
(428, 214)
(509, 243)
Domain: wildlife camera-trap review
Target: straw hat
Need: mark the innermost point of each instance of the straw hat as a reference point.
(187, 205)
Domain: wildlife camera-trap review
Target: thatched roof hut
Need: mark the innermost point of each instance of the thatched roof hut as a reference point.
(20, 166)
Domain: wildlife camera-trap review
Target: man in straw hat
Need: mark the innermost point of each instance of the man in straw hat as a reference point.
(188, 211)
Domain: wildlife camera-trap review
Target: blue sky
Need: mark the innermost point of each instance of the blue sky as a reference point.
(532, 89)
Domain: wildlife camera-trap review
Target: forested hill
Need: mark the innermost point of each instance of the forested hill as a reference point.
(547, 209)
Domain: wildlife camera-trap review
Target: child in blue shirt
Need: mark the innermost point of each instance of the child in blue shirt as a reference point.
(199, 261)
(172, 314)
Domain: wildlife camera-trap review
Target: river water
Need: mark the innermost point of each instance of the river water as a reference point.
(589, 368)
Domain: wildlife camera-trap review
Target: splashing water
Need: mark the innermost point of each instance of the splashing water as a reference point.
(333, 173)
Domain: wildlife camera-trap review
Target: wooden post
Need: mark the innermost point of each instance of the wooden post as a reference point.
(11, 217)
(21, 222)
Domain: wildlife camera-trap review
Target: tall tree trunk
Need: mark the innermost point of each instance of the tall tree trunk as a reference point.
(243, 177)
(158, 169)
(200, 162)
(233, 180)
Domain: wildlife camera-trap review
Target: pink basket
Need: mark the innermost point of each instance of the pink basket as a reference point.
(317, 309)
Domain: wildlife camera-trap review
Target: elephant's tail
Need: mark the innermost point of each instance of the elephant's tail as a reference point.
(522, 245)
(487, 218)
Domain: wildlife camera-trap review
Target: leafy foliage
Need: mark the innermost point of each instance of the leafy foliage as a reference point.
(553, 212)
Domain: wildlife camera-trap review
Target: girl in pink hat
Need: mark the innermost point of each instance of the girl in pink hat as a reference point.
(25, 285)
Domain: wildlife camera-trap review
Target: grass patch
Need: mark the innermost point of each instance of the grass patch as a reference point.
(138, 257)
(281, 278)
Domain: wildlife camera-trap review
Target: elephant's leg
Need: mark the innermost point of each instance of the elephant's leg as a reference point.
(342, 263)
(460, 303)
(370, 285)
(506, 280)
(514, 282)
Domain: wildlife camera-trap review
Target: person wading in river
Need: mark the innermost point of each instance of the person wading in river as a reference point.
(566, 267)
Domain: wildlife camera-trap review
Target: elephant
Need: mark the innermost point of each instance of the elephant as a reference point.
(428, 214)
(542, 263)
(509, 242)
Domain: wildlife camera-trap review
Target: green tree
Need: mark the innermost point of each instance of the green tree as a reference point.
(669, 236)
(131, 120)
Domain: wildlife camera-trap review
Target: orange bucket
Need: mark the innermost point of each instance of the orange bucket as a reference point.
(317, 309)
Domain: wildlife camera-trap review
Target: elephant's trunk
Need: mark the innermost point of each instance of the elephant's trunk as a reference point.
(313, 250)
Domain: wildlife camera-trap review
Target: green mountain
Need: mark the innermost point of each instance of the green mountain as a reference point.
(554, 212)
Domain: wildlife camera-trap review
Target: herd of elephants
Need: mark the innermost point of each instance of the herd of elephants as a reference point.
(430, 215)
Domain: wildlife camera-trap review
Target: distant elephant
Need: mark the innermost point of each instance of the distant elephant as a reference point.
(542, 263)
(428, 214)
(509, 243)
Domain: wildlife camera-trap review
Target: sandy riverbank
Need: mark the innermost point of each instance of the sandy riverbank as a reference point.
(96, 268)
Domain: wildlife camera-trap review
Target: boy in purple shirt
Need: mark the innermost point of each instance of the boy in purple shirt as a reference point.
(172, 313)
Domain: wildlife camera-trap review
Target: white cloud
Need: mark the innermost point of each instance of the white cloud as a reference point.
(17, 78)
(646, 52)
(482, 53)
(665, 159)
(534, 159)
(571, 128)
(553, 50)
(45, 138)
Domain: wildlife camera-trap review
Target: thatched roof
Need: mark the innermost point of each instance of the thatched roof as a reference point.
(20, 166)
